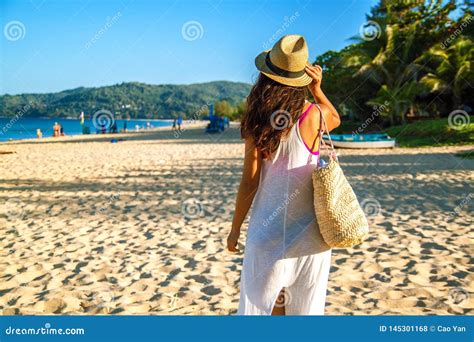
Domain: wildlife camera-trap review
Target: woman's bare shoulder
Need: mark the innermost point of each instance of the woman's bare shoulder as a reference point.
(315, 115)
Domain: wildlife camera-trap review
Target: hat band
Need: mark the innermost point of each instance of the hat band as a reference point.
(282, 72)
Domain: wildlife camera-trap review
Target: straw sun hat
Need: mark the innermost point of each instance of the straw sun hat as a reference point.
(286, 61)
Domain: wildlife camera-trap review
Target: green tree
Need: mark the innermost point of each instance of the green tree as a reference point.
(451, 69)
(394, 63)
(223, 108)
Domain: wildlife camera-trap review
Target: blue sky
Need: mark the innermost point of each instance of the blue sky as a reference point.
(49, 46)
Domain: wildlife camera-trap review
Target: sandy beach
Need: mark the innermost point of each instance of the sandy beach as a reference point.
(139, 226)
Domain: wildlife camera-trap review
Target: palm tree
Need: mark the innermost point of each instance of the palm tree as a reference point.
(396, 61)
(396, 72)
(450, 69)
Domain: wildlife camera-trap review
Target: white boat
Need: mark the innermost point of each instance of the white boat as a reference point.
(361, 140)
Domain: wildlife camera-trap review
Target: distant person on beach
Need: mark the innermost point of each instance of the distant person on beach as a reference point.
(61, 130)
(125, 126)
(179, 122)
(174, 125)
(56, 130)
(39, 134)
(286, 262)
(113, 127)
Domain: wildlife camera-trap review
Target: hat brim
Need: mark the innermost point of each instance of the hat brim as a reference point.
(301, 81)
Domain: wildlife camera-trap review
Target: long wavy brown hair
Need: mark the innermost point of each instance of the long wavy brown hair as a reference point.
(272, 110)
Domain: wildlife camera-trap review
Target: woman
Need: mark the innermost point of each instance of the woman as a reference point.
(286, 263)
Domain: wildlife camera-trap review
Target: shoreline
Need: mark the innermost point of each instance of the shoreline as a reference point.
(99, 137)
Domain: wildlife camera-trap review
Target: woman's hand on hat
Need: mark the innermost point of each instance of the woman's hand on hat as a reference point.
(316, 73)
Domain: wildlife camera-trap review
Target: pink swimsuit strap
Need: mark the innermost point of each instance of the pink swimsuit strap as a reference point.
(300, 120)
(305, 113)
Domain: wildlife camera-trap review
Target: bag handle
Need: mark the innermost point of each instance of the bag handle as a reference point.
(310, 157)
(322, 122)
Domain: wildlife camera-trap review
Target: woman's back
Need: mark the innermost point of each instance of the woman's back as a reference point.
(284, 248)
(283, 211)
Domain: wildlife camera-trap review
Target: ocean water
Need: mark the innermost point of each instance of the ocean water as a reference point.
(25, 128)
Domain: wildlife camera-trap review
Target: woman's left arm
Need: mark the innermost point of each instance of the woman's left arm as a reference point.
(247, 190)
(330, 113)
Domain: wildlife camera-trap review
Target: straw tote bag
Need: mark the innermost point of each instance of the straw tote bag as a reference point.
(341, 220)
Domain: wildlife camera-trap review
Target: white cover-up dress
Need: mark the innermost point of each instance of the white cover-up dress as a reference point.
(284, 248)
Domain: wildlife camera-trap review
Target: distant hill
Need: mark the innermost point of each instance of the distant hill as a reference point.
(133, 100)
